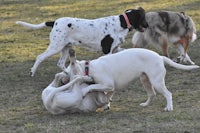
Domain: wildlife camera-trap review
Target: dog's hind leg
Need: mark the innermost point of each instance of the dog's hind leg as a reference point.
(158, 82)
(149, 89)
(184, 57)
(51, 50)
(165, 47)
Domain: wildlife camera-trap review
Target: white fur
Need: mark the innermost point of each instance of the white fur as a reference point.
(114, 71)
(69, 97)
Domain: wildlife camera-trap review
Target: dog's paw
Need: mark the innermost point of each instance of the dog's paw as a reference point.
(31, 74)
(106, 107)
(168, 108)
(144, 104)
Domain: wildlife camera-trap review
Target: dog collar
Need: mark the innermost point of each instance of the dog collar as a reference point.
(127, 21)
(87, 68)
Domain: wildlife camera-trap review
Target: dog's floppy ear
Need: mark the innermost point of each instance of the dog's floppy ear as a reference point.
(129, 10)
(183, 13)
(137, 8)
(140, 8)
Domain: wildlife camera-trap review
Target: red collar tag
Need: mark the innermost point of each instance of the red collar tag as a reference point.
(87, 68)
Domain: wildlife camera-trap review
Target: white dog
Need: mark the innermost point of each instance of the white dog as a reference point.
(114, 71)
(102, 34)
(69, 98)
(65, 93)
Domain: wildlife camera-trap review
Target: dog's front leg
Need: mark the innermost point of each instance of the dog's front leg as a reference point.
(51, 50)
(40, 59)
(100, 87)
(97, 87)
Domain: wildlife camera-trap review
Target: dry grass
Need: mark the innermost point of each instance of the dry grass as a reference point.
(20, 95)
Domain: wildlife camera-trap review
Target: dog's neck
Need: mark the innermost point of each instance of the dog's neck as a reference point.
(125, 23)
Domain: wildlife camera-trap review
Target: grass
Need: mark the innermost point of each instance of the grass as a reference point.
(20, 95)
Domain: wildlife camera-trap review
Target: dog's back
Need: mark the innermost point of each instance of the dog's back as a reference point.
(170, 23)
(121, 65)
(166, 24)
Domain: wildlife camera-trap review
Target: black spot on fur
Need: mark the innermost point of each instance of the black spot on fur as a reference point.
(69, 25)
(181, 18)
(106, 44)
(79, 41)
(174, 29)
(165, 18)
(106, 26)
(50, 24)
(91, 25)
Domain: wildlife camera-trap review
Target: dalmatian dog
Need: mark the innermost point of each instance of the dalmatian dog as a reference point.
(101, 34)
(65, 94)
(114, 71)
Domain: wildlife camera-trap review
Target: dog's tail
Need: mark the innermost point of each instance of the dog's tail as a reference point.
(36, 26)
(179, 66)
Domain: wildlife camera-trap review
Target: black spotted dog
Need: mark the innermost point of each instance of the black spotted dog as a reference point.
(101, 34)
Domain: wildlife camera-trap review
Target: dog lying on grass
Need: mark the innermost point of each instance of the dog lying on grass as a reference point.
(65, 94)
(114, 71)
(164, 28)
(101, 34)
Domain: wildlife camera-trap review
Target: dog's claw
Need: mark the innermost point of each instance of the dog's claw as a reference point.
(105, 109)
(31, 74)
